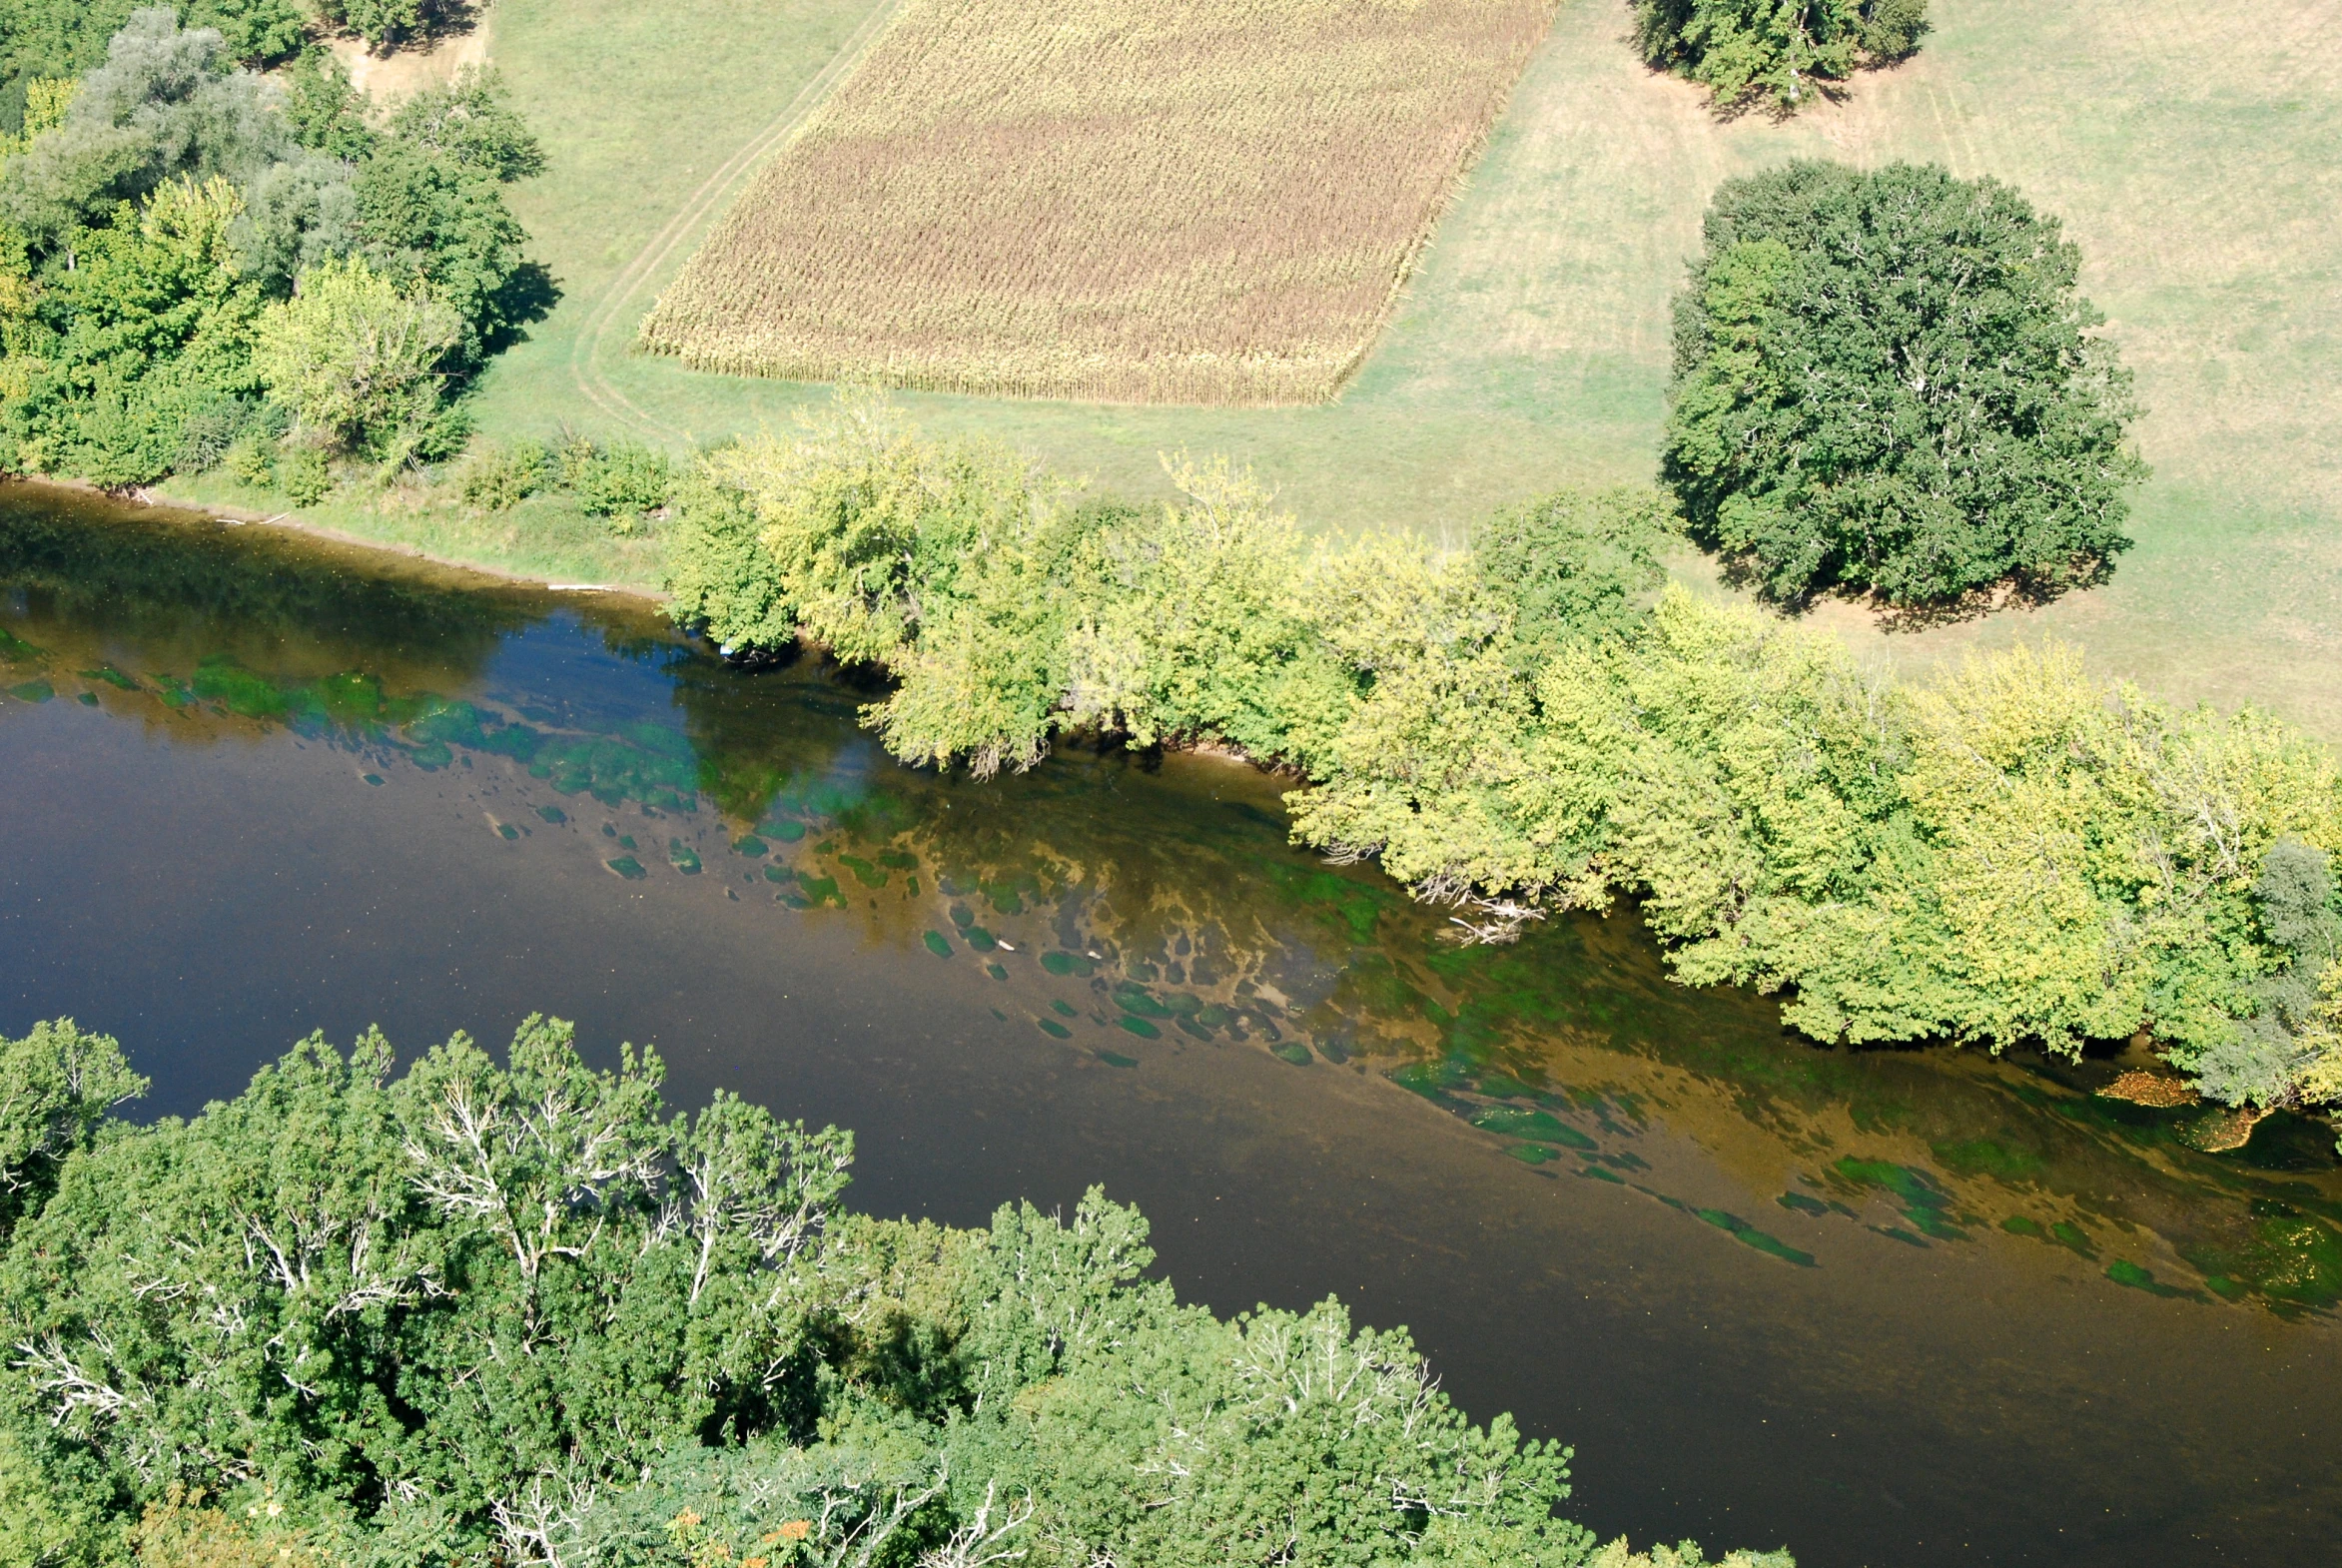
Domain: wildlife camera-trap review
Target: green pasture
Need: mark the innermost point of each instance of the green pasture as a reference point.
(2192, 149)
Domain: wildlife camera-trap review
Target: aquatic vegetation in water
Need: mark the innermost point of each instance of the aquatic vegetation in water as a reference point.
(552, 814)
(1055, 1030)
(628, 867)
(1117, 1059)
(1138, 998)
(33, 691)
(1295, 1052)
(1923, 1201)
(683, 857)
(1146, 1031)
(2133, 1276)
(2291, 1258)
(937, 944)
(1513, 1122)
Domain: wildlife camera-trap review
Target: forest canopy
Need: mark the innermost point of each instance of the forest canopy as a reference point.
(1890, 381)
(1779, 51)
(163, 216)
(2018, 851)
(518, 1312)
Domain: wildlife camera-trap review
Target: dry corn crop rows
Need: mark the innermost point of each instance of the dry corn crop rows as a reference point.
(1140, 201)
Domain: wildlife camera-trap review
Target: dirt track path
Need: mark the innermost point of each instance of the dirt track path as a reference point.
(585, 356)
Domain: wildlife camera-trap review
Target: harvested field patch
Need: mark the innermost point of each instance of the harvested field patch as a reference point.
(1213, 201)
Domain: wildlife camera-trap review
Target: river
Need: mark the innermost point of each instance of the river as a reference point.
(1884, 1307)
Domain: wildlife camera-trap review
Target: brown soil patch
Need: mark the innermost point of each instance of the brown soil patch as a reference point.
(388, 78)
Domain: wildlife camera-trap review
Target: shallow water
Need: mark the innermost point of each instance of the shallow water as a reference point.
(1886, 1307)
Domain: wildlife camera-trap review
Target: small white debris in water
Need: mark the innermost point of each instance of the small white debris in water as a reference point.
(574, 587)
(1003, 946)
(1100, 957)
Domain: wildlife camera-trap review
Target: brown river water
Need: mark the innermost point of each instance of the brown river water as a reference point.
(1883, 1308)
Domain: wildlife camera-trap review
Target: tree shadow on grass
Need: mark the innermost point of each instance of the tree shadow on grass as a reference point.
(2021, 590)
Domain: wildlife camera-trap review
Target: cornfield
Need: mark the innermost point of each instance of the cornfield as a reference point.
(1186, 200)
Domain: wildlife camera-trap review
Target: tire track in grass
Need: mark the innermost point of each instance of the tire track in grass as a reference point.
(585, 356)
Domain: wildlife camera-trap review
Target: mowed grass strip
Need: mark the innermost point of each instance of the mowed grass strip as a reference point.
(1205, 203)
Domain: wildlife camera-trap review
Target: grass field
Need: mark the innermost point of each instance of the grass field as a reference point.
(1208, 203)
(2194, 150)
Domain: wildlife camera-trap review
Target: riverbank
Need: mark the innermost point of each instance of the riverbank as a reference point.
(498, 549)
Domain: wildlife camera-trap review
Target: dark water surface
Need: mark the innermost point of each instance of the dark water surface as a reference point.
(1889, 1308)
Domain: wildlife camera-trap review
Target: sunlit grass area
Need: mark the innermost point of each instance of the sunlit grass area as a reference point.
(2192, 150)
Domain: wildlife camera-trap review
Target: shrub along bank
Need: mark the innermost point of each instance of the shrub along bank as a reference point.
(516, 1313)
(2018, 851)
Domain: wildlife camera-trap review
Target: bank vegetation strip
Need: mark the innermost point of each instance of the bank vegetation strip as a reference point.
(2019, 851)
(1215, 203)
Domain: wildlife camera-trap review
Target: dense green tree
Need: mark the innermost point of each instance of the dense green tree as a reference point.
(65, 38)
(517, 1310)
(1785, 51)
(167, 104)
(383, 23)
(1575, 564)
(1890, 381)
(126, 356)
(356, 362)
(110, 358)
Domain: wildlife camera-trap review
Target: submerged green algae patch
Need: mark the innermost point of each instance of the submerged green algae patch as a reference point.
(219, 678)
(1802, 1204)
(507, 832)
(868, 875)
(937, 944)
(1117, 1059)
(751, 846)
(1065, 1008)
(1514, 1121)
(552, 814)
(1600, 1175)
(1055, 1030)
(821, 890)
(112, 677)
(1762, 1241)
(1138, 1027)
(628, 867)
(2133, 1276)
(375, 779)
(1138, 998)
(1531, 1153)
(2289, 1258)
(1062, 964)
(1293, 1051)
(1924, 1205)
(996, 971)
(33, 691)
(683, 857)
